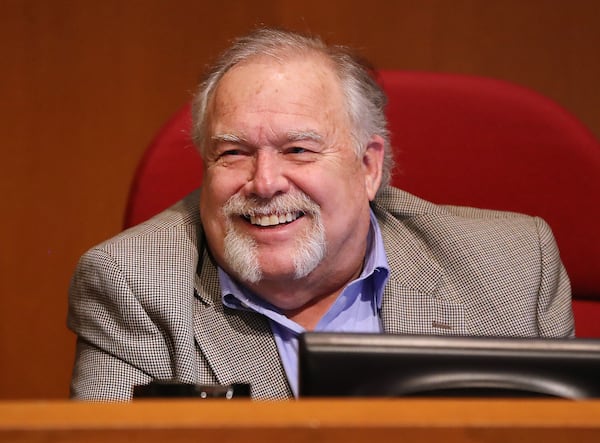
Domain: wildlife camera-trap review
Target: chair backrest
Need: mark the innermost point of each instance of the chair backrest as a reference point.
(170, 168)
(459, 140)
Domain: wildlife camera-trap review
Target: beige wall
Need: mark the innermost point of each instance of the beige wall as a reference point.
(85, 84)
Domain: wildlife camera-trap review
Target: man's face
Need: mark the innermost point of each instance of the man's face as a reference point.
(285, 199)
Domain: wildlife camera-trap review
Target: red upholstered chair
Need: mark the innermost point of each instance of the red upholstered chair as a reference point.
(169, 169)
(458, 140)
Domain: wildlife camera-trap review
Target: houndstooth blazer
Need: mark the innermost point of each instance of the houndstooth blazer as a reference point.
(146, 304)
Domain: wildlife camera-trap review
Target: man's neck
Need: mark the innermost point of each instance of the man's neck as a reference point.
(288, 297)
(308, 316)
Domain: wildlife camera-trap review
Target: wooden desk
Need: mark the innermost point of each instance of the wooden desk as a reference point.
(343, 421)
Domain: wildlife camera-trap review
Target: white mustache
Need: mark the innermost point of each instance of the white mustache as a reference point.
(297, 201)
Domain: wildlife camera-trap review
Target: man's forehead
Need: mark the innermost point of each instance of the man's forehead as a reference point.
(311, 69)
(264, 100)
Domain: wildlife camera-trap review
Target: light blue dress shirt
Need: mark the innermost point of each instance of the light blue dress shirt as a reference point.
(355, 310)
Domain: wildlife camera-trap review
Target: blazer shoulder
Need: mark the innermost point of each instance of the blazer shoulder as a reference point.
(450, 234)
(403, 205)
(182, 218)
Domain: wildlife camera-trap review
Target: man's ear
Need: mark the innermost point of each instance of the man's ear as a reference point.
(372, 164)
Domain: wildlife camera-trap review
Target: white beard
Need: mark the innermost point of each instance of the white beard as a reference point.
(241, 252)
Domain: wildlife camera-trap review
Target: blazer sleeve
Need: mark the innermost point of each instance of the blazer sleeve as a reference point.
(554, 308)
(118, 344)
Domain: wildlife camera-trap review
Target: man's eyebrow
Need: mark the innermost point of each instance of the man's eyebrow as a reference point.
(228, 138)
(294, 136)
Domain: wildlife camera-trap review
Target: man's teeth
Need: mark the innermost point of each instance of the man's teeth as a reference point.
(272, 220)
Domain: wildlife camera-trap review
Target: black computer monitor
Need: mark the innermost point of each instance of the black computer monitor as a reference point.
(367, 365)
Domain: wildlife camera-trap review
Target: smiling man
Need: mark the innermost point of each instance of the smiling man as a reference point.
(298, 230)
(285, 199)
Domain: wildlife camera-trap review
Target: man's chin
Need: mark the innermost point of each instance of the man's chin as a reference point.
(260, 276)
(278, 275)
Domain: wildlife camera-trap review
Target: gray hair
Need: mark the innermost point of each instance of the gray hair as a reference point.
(365, 99)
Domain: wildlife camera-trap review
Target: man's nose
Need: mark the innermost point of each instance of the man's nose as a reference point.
(267, 178)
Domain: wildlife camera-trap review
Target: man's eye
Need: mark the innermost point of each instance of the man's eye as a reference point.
(296, 150)
(231, 152)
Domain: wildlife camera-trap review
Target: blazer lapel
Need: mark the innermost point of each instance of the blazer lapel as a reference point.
(238, 345)
(416, 299)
